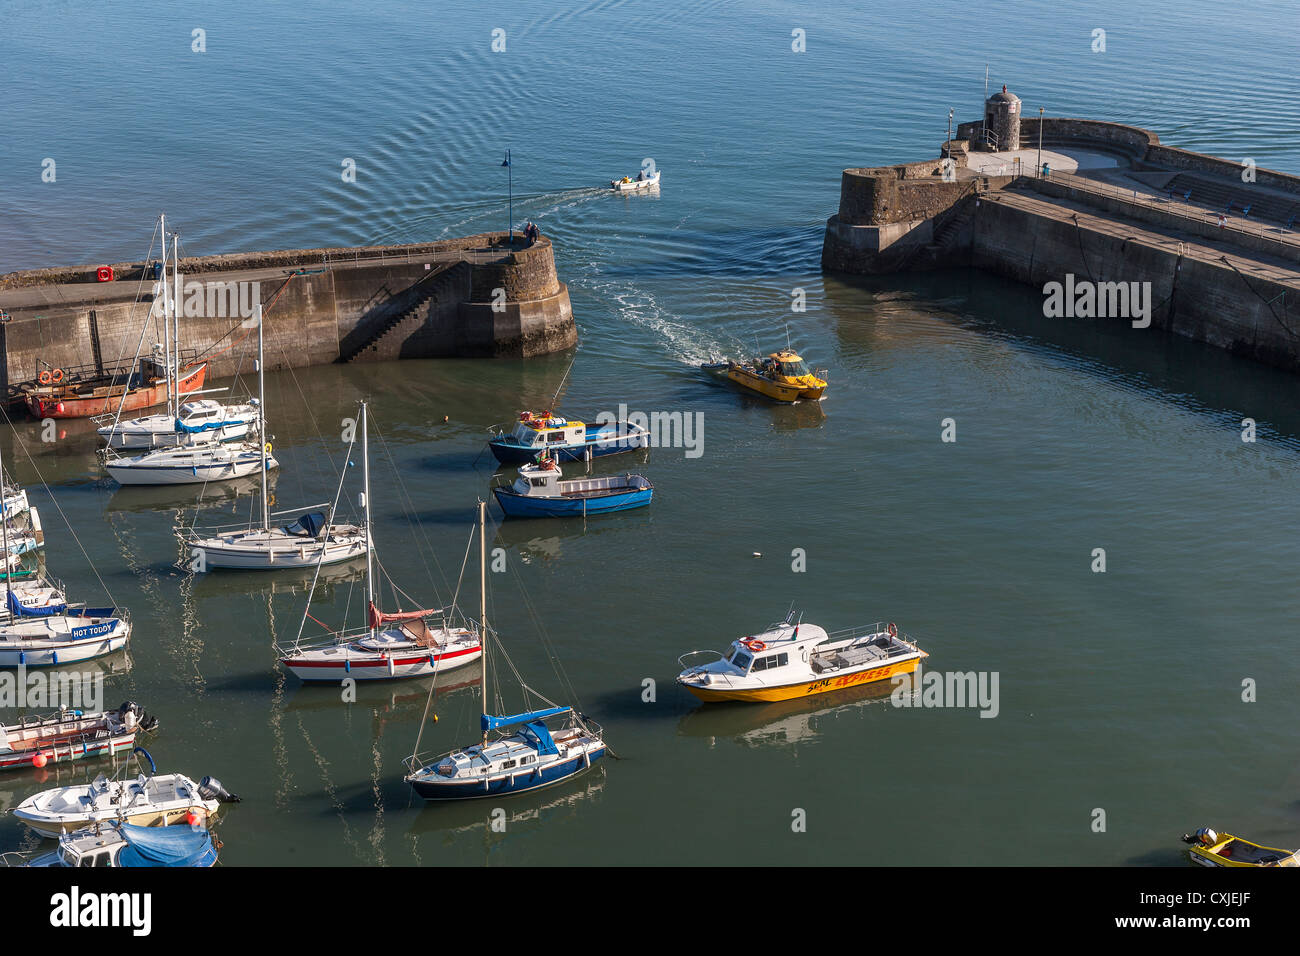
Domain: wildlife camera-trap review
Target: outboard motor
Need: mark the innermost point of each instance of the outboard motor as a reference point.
(210, 788)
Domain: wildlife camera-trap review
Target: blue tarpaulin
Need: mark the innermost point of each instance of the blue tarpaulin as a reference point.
(18, 609)
(163, 846)
(533, 725)
(309, 525)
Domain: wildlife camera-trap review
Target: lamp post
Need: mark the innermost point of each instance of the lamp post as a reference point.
(1040, 141)
(510, 194)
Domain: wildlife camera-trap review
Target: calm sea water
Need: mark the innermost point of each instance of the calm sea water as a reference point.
(1119, 691)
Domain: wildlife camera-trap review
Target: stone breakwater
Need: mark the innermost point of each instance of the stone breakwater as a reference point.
(1214, 242)
(478, 296)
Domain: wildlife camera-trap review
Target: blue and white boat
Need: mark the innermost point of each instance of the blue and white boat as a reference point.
(124, 844)
(565, 439)
(517, 753)
(539, 492)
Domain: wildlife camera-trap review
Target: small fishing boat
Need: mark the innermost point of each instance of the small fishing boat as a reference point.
(72, 735)
(793, 659)
(564, 439)
(202, 418)
(631, 185)
(86, 392)
(91, 390)
(1210, 848)
(517, 753)
(539, 492)
(125, 844)
(425, 641)
(783, 376)
(148, 800)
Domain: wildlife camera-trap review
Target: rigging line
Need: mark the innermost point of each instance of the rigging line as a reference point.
(1291, 332)
(547, 644)
(347, 458)
(73, 531)
(408, 506)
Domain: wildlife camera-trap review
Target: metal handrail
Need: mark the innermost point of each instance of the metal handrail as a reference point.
(1135, 197)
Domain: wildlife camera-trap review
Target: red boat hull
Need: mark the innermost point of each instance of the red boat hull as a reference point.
(55, 402)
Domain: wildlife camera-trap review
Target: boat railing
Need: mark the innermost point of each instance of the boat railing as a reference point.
(854, 634)
(689, 659)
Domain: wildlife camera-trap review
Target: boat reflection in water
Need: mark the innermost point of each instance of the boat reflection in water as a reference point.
(145, 498)
(521, 535)
(291, 581)
(561, 803)
(385, 699)
(783, 724)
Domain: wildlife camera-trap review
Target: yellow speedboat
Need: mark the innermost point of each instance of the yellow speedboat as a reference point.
(782, 376)
(1210, 848)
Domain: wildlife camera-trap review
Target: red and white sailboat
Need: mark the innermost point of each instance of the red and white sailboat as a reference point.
(393, 645)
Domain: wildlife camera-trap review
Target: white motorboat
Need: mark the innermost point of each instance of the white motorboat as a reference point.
(148, 800)
(424, 641)
(203, 418)
(64, 638)
(629, 185)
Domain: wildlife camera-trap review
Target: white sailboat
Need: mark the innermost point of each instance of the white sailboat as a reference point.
(41, 629)
(422, 642)
(307, 542)
(518, 752)
(206, 418)
(195, 459)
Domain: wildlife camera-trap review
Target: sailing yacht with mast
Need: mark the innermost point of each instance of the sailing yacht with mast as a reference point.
(204, 417)
(518, 752)
(424, 641)
(310, 541)
(194, 459)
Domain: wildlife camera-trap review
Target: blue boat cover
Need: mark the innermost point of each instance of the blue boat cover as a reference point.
(309, 525)
(533, 725)
(163, 846)
(205, 427)
(18, 609)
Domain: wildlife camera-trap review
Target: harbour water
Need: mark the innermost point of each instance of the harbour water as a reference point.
(1119, 691)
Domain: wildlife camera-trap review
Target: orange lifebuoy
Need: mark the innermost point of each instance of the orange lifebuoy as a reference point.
(754, 644)
(893, 629)
(56, 376)
(45, 377)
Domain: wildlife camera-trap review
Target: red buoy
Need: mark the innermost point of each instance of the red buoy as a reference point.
(39, 760)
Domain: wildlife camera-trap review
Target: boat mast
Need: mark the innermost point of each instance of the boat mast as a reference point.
(166, 321)
(365, 502)
(174, 388)
(482, 604)
(4, 520)
(261, 418)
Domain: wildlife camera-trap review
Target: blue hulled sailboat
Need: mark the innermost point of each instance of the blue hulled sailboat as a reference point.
(518, 752)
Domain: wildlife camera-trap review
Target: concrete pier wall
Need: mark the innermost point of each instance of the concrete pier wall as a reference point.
(472, 297)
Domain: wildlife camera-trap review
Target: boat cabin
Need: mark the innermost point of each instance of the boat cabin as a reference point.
(545, 431)
(777, 648)
(539, 481)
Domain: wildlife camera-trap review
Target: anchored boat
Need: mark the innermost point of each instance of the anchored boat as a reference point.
(793, 659)
(196, 458)
(1210, 848)
(517, 753)
(424, 641)
(202, 418)
(539, 492)
(125, 844)
(148, 800)
(631, 185)
(564, 439)
(783, 376)
(71, 735)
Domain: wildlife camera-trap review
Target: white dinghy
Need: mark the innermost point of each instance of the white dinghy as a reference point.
(629, 185)
(148, 800)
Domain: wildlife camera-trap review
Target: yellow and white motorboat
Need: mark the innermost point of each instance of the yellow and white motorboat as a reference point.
(783, 376)
(1210, 848)
(793, 659)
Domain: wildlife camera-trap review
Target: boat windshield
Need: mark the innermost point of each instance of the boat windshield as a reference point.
(794, 369)
(740, 659)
